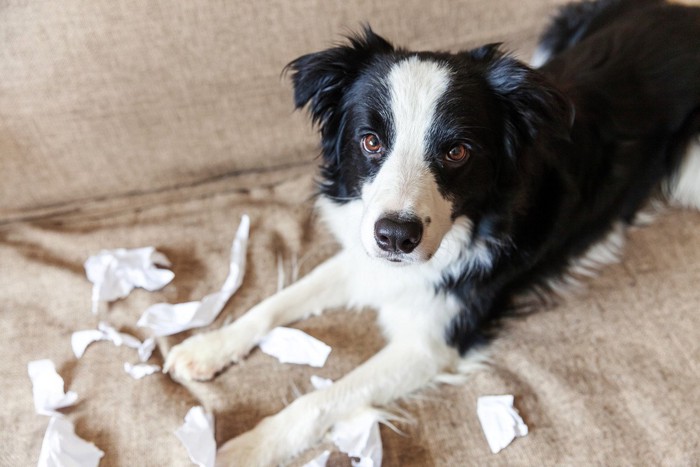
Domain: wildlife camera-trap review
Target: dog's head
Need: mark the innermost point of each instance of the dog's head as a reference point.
(424, 141)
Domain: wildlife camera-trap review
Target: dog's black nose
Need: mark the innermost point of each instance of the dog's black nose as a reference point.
(398, 235)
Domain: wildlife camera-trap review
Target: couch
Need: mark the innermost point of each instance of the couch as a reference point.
(129, 123)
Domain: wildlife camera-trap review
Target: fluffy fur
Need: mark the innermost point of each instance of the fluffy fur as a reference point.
(457, 183)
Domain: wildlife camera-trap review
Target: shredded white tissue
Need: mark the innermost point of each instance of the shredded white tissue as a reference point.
(319, 461)
(146, 349)
(80, 340)
(47, 387)
(62, 447)
(360, 437)
(500, 421)
(294, 346)
(197, 435)
(140, 370)
(115, 273)
(320, 383)
(165, 319)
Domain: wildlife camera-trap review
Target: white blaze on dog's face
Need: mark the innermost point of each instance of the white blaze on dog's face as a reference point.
(422, 151)
(405, 217)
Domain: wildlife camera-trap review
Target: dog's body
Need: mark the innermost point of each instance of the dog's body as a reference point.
(457, 183)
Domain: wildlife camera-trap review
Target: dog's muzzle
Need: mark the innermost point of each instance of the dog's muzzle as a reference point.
(400, 235)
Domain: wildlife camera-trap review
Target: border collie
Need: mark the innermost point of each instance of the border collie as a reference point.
(458, 183)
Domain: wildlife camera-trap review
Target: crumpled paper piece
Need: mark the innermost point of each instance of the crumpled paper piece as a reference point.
(140, 370)
(197, 435)
(63, 448)
(500, 421)
(47, 388)
(165, 319)
(357, 437)
(360, 437)
(80, 340)
(146, 349)
(115, 273)
(290, 345)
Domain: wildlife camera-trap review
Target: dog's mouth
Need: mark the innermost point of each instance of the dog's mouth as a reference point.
(398, 259)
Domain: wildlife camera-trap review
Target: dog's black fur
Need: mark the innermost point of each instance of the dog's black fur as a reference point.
(458, 182)
(562, 154)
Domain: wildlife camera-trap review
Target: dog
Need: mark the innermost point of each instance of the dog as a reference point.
(461, 185)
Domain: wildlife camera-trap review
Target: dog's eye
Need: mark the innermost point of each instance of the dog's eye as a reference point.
(371, 144)
(457, 154)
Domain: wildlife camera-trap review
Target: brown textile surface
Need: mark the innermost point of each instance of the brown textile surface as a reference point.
(147, 96)
(126, 124)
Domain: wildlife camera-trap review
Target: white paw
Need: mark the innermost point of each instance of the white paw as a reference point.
(200, 357)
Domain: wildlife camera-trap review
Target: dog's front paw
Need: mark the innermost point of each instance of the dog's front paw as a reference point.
(199, 358)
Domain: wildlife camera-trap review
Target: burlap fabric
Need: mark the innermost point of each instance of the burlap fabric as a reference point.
(127, 123)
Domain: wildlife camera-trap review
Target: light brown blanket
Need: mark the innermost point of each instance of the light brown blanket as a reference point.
(126, 124)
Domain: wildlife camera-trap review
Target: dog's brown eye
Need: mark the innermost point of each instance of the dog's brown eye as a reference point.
(370, 144)
(458, 153)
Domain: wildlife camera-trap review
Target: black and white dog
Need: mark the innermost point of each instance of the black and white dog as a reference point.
(458, 183)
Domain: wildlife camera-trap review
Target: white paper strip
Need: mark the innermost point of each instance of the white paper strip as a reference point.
(115, 273)
(140, 370)
(80, 340)
(63, 448)
(500, 421)
(360, 437)
(294, 346)
(197, 435)
(146, 349)
(165, 319)
(47, 387)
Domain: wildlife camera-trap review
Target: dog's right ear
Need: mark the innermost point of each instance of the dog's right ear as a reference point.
(320, 79)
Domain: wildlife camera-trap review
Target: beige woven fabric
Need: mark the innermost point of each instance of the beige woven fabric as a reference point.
(126, 124)
(111, 97)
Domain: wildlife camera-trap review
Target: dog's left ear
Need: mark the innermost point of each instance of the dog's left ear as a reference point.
(532, 103)
(320, 79)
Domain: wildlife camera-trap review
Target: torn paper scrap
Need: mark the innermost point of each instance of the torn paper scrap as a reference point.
(140, 370)
(47, 387)
(62, 447)
(165, 319)
(319, 461)
(320, 383)
(360, 437)
(294, 346)
(197, 435)
(500, 421)
(115, 273)
(80, 340)
(146, 349)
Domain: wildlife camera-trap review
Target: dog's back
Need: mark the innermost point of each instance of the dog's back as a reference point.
(575, 21)
(632, 70)
(638, 59)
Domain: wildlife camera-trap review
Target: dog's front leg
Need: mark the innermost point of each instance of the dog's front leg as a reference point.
(400, 368)
(202, 356)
